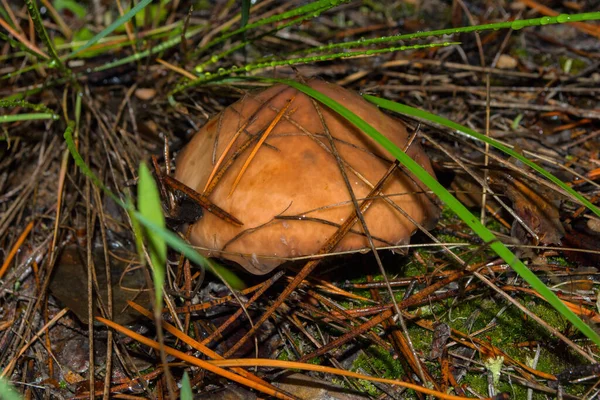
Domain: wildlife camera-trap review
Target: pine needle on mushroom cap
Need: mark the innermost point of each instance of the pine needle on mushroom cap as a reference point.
(291, 195)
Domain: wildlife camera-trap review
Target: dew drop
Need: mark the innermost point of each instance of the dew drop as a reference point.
(545, 20)
(516, 25)
(562, 18)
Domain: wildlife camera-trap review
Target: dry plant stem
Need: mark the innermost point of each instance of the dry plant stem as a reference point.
(365, 228)
(576, 308)
(197, 345)
(486, 160)
(212, 303)
(334, 344)
(225, 151)
(213, 366)
(109, 295)
(248, 362)
(311, 265)
(483, 346)
(160, 333)
(15, 248)
(267, 389)
(342, 312)
(267, 284)
(482, 182)
(89, 220)
(11, 213)
(217, 172)
(201, 200)
(66, 31)
(7, 371)
(176, 69)
(23, 40)
(129, 383)
(532, 315)
(262, 139)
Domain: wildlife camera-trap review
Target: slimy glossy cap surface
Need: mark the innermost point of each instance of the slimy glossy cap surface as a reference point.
(294, 173)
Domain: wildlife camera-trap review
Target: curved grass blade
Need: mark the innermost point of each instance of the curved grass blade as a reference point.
(150, 206)
(454, 204)
(208, 77)
(415, 112)
(517, 24)
(216, 57)
(305, 9)
(109, 29)
(36, 18)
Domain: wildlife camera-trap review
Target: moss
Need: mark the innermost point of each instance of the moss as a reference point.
(377, 362)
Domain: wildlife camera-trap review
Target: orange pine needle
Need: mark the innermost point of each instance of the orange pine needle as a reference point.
(263, 362)
(15, 248)
(222, 157)
(23, 40)
(195, 344)
(260, 142)
(195, 361)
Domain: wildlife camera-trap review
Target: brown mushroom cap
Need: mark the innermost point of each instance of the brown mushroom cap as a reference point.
(295, 174)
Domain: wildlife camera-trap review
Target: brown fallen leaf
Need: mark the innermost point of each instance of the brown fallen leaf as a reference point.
(537, 208)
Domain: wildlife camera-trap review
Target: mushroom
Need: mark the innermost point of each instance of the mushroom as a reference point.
(267, 160)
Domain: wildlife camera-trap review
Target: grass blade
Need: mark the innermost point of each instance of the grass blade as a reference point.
(186, 388)
(7, 392)
(174, 241)
(415, 112)
(109, 29)
(150, 207)
(454, 204)
(26, 117)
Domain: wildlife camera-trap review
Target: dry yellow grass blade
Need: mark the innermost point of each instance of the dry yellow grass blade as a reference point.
(260, 142)
(222, 157)
(176, 69)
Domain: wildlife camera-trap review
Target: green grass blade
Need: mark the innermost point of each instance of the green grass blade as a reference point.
(148, 52)
(149, 205)
(109, 29)
(245, 13)
(186, 388)
(488, 237)
(415, 112)
(7, 392)
(208, 77)
(305, 9)
(169, 237)
(517, 24)
(18, 45)
(27, 117)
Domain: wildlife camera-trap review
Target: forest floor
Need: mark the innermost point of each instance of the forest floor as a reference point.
(463, 323)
